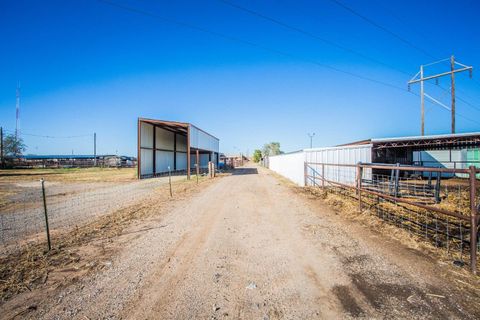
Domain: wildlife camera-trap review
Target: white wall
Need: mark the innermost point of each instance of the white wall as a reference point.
(290, 165)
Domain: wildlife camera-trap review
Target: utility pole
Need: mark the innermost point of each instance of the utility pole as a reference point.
(422, 101)
(420, 77)
(94, 149)
(311, 135)
(452, 68)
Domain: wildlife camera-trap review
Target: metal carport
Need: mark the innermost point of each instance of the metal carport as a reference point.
(178, 145)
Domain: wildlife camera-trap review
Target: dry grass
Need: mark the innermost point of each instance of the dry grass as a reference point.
(79, 251)
(69, 175)
(347, 206)
(12, 182)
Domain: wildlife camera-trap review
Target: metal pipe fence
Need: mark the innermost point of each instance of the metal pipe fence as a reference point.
(23, 217)
(443, 211)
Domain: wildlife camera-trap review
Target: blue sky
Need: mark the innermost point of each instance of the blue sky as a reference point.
(87, 66)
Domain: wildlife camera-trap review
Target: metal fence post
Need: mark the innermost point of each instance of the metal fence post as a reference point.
(359, 185)
(397, 178)
(323, 175)
(46, 215)
(437, 187)
(473, 220)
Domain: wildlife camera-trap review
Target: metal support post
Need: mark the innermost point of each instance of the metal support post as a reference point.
(323, 175)
(46, 215)
(359, 186)
(473, 220)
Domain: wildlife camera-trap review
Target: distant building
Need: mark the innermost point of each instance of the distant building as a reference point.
(70, 161)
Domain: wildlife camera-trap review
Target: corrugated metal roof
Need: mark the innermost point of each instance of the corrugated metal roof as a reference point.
(429, 137)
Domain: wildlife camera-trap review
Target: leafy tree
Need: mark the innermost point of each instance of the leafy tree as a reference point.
(13, 146)
(257, 155)
(271, 149)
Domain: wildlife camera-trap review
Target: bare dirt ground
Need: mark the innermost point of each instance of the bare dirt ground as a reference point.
(74, 197)
(249, 246)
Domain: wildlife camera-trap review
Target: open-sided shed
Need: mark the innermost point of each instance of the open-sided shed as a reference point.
(179, 145)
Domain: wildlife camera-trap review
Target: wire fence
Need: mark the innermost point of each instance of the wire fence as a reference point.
(431, 203)
(23, 217)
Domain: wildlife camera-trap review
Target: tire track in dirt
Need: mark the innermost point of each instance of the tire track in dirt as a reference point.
(248, 247)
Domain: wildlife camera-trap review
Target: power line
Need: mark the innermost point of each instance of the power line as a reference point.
(377, 25)
(423, 35)
(50, 137)
(249, 43)
(253, 44)
(309, 34)
(460, 98)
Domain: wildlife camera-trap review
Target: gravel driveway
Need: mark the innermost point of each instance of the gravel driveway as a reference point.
(249, 247)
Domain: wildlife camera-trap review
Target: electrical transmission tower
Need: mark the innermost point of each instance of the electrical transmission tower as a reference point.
(421, 78)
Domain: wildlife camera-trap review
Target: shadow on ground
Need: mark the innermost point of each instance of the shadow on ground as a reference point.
(242, 171)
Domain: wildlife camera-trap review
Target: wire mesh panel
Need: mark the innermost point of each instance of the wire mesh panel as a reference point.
(425, 201)
(22, 218)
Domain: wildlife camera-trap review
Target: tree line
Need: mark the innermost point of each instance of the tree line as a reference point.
(268, 149)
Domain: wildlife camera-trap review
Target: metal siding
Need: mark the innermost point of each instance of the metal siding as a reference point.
(164, 159)
(181, 161)
(181, 143)
(340, 155)
(201, 140)
(164, 139)
(146, 134)
(147, 162)
(204, 161)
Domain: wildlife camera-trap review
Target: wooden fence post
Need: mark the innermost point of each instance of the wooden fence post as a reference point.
(473, 220)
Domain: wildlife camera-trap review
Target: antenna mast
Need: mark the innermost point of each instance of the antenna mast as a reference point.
(17, 115)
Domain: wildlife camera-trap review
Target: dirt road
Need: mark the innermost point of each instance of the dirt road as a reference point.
(249, 247)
